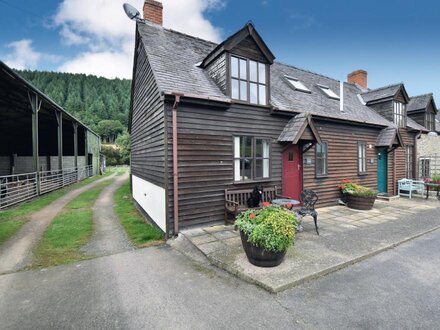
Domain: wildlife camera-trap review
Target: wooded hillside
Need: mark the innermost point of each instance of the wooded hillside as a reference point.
(89, 98)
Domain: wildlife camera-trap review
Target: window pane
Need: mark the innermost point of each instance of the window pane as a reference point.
(247, 169)
(253, 71)
(266, 168)
(258, 148)
(262, 94)
(266, 144)
(253, 93)
(261, 73)
(237, 176)
(246, 146)
(234, 67)
(243, 90)
(243, 69)
(234, 89)
(259, 168)
(236, 147)
(320, 166)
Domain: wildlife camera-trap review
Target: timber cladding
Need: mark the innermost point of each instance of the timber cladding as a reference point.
(205, 157)
(148, 126)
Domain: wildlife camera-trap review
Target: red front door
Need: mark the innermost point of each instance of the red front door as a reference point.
(292, 172)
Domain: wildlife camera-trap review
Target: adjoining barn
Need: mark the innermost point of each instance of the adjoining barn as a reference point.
(42, 147)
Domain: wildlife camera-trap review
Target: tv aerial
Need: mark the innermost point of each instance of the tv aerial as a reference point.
(132, 12)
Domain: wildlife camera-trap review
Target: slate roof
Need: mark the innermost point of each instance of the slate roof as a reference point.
(419, 102)
(293, 128)
(386, 137)
(414, 125)
(381, 93)
(174, 58)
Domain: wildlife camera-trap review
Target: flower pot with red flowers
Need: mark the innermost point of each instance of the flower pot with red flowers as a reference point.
(266, 234)
(356, 196)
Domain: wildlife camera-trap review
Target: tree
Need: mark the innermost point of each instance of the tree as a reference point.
(123, 144)
(109, 130)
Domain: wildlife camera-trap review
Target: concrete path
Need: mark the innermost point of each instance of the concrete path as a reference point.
(158, 288)
(15, 253)
(109, 236)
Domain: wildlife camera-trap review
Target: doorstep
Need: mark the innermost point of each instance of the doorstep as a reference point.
(347, 236)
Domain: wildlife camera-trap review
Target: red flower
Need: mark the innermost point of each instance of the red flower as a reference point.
(252, 216)
(341, 186)
(345, 181)
(289, 205)
(266, 204)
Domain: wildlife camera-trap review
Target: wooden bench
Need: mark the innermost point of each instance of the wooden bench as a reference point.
(236, 200)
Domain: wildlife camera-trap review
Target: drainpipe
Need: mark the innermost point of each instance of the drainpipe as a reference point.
(416, 151)
(175, 168)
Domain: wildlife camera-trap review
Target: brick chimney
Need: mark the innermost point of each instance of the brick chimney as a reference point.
(358, 77)
(153, 11)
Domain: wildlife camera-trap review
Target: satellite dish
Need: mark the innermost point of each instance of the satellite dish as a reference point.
(132, 12)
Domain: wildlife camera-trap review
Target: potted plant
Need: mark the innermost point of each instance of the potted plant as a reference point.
(357, 196)
(266, 234)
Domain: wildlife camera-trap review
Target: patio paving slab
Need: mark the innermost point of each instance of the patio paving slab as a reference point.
(344, 240)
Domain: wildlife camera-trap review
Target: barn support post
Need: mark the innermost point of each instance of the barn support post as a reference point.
(59, 116)
(86, 151)
(75, 147)
(35, 106)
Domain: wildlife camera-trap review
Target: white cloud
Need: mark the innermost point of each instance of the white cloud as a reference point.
(24, 56)
(107, 33)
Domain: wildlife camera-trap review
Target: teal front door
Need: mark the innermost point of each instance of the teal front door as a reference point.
(382, 167)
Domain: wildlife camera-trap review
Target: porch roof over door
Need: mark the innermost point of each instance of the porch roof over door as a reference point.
(300, 127)
(389, 137)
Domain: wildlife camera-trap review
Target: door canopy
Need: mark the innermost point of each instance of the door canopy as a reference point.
(300, 128)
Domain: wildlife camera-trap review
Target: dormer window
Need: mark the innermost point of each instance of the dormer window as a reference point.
(430, 121)
(327, 91)
(399, 114)
(297, 85)
(248, 81)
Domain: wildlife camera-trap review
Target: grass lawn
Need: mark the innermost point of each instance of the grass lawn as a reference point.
(69, 231)
(140, 232)
(13, 218)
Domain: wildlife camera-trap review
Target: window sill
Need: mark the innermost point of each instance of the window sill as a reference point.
(251, 104)
(252, 181)
(363, 174)
(325, 176)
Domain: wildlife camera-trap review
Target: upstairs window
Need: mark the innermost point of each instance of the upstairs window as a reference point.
(362, 158)
(430, 121)
(327, 91)
(248, 81)
(297, 85)
(399, 114)
(251, 158)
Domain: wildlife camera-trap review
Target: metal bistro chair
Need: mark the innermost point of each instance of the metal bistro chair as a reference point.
(308, 200)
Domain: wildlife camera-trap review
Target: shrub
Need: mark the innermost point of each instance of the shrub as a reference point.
(350, 188)
(271, 228)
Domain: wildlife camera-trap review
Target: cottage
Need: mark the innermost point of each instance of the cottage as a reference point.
(207, 117)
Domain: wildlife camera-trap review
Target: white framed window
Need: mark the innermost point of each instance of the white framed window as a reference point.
(248, 81)
(399, 114)
(362, 158)
(297, 84)
(409, 162)
(251, 158)
(430, 121)
(327, 91)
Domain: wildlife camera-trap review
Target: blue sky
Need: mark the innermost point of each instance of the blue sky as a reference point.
(393, 40)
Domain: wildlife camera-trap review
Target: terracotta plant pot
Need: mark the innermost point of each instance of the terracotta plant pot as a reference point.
(360, 203)
(260, 257)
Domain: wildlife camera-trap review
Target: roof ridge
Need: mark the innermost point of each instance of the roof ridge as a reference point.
(308, 71)
(384, 87)
(415, 96)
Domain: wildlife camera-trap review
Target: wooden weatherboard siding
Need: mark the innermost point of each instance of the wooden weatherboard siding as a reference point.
(205, 157)
(148, 125)
(342, 143)
(217, 71)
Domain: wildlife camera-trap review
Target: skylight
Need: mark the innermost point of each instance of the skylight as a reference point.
(298, 85)
(328, 92)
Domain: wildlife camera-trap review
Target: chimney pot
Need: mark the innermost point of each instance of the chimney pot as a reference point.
(153, 11)
(358, 77)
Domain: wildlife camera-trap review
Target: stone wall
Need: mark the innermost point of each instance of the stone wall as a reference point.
(428, 154)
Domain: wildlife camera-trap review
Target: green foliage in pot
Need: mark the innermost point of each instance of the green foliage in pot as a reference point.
(353, 189)
(271, 228)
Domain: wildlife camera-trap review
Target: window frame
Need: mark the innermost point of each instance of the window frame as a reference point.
(425, 167)
(409, 162)
(290, 81)
(430, 121)
(399, 114)
(359, 158)
(327, 90)
(248, 81)
(321, 175)
(253, 158)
